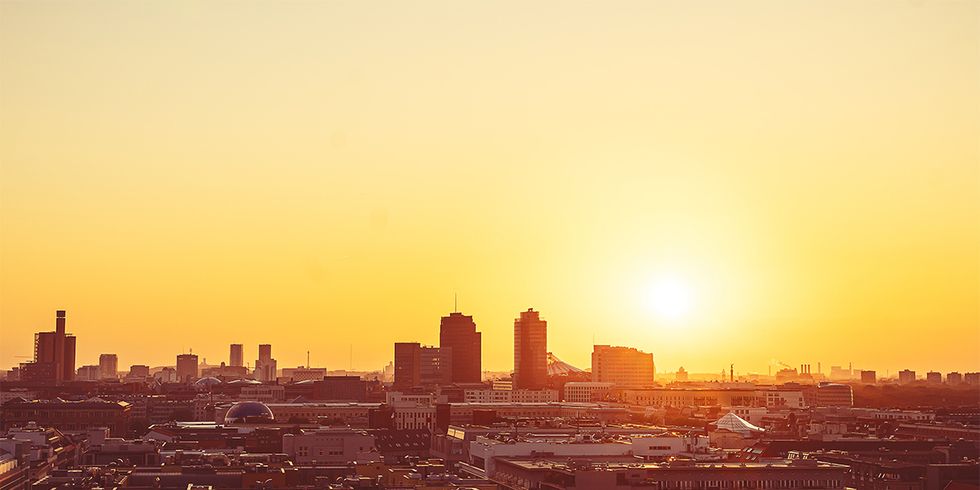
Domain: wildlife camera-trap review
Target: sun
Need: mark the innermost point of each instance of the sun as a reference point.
(670, 298)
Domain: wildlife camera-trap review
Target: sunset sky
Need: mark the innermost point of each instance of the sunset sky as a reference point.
(712, 182)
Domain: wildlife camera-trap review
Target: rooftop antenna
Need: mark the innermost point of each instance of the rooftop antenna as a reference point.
(307, 359)
(455, 303)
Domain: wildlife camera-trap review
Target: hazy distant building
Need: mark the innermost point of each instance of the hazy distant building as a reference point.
(458, 333)
(303, 373)
(186, 368)
(54, 355)
(418, 365)
(586, 391)
(906, 376)
(971, 378)
(828, 394)
(265, 365)
(622, 366)
(869, 377)
(138, 372)
(89, 373)
(681, 375)
(838, 372)
(934, 377)
(530, 351)
(954, 378)
(108, 366)
(236, 355)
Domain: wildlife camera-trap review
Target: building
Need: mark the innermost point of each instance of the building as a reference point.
(138, 372)
(972, 378)
(681, 375)
(622, 366)
(934, 377)
(186, 368)
(68, 416)
(236, 355)
(330, 446)
(586, 391)
(528, 473)
(302, 373)
(54, 355)
(954, 378)
(89, 373)
(340, 388)
(530, 351)
(906, 376)
(418, 365)
(265, 365)
(869, 377)
(827, 394)
(457, 332)
(108, 366)
(509, 396)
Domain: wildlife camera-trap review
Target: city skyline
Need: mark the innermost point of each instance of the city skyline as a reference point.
(264, 351)
(712, 183)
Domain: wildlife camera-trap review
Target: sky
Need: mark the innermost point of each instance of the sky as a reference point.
(714, 182)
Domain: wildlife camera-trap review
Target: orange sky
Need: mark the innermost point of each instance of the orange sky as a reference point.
(325, 174)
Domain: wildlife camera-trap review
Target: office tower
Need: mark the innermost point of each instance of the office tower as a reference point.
(954, 378)
(236, 357)
(54, 354)
(186, 368)
(457, 332)
(869, 377)
(418, 365)
(622, 366)
(265, 365)
(530, 351)
(138, 371)
(934, 377)
(906, 376)
(88, 373)
(108, 366)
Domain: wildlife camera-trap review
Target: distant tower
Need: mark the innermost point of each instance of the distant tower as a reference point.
(265, 365)
(731, 373)
(236, 356)
(530, 351)
(463, 344)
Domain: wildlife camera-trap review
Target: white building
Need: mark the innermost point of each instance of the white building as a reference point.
(509, 396)
(586, 391)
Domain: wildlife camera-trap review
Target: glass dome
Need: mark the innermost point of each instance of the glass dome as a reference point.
(249, 412)
(205, 383)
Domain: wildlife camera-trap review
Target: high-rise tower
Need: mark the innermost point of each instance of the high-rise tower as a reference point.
(236, 356)
(530, 351)
(458, 333)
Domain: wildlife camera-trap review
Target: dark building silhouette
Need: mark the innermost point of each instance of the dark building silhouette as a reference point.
(458, 333)
(530, 351)
(186, 368)
(340, 388)
(236, 356)
(418, 365)
(54, 355)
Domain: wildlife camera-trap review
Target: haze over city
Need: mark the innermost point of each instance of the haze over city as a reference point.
(753, 184)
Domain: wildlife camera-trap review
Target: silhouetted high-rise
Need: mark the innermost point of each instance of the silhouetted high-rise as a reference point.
(530, 351)
(237, 356)
(265, 365)
(458, 332)
(186, 368)
(108, 366)
(54, 354)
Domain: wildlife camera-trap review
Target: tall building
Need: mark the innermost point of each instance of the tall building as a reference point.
(458, 333)
(869, 377)
(265, 365)
(54, 354)
(138, 372)
(237, 356)
(186, 368)
(906, 376)
(108, 366)
(954, 378)
(530, 351)
(418, 365)
(622, 366)
(934, 377)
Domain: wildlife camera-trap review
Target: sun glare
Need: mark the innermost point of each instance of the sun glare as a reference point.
(670, 298)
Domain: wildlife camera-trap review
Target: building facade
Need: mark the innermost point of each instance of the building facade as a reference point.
(530, 351)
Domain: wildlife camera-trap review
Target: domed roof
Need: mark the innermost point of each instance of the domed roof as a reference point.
(207, 382)
(245, 382)
(249, 412)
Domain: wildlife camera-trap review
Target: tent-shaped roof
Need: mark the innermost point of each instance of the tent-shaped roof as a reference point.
(734, 423)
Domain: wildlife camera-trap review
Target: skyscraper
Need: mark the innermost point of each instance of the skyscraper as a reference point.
(54, 354)
(236, 357)
(530, 351)
(186, 368)
(108, 366)
(458, 333)
(265, 365)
